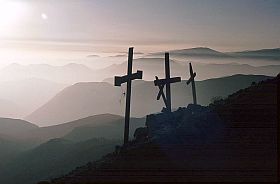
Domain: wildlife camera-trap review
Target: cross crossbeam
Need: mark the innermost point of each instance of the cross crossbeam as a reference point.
(161, 83)
(119, 80)
(161, 93)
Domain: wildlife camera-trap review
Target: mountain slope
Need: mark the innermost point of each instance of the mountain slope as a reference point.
(55, 150)
(53, 158)
(11, 143)
(150, 66)
(29, 94)
(57, 131)
(96, 98)
(104, 125)
(9, 149)
(9, 109)
(205, 69)
(58, 149)
(13, 127)
(204, 52)
(271, 54)
(68, 74)
(181, 147)
(76, 102)
(109, 130)
(194, 52)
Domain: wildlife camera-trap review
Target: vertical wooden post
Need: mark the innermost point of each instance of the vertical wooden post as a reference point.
(167, 76)
(191, 80)
(194, 93)
(119, 80)
(128, 97)
(166, 82)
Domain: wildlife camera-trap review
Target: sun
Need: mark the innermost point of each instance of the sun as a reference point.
(11, 12)
(44, 16)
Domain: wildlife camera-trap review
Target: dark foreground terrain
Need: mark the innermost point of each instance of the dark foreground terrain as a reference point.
(234, 139)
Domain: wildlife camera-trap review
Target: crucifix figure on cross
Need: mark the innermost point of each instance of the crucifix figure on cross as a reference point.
(119, 80)
(191, 80)
(161, 83)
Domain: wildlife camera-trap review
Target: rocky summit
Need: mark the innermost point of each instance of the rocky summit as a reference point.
(194, 124)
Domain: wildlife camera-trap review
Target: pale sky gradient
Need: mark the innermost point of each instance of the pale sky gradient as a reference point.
(149, 25)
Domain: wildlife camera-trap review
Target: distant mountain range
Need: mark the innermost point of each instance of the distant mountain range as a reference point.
(151, 64)
(272, 54)
(13, 127)
(266, 54)
(54, 150)
(87, 129)
(25, 88)
(103, 125)
(87, 99)
(152, 67)
(10, 142)
(193, 52)
(52, 159)
(207, 62)
(19, 135)
(10, 109)
(29, 153)
(78, 101)
(26, 95)
(67, 74)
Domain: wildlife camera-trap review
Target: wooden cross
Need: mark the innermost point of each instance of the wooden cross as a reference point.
(191, 80)
(119, 80)
(161, 93)
(166, 82)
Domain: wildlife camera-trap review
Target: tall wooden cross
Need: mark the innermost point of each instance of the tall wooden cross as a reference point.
(166, 82)
(119, 80)
(191, 80)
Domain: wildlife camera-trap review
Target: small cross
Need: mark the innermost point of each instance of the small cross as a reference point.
(161, 83)
(191, 80)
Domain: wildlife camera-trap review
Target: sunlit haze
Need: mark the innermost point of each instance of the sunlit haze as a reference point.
(143, 91)
(69, 29)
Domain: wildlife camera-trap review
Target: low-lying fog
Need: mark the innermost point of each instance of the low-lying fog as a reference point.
(26, 86)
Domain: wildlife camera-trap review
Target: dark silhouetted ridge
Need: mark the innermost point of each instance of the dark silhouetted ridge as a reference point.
(234, 139)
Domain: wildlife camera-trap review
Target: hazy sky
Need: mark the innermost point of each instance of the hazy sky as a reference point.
(112, 25)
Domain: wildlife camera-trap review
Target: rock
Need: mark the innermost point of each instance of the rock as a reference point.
(141, 134)
(194, 123)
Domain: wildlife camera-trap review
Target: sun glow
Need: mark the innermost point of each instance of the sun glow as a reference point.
(44, 16)
(11, 12)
